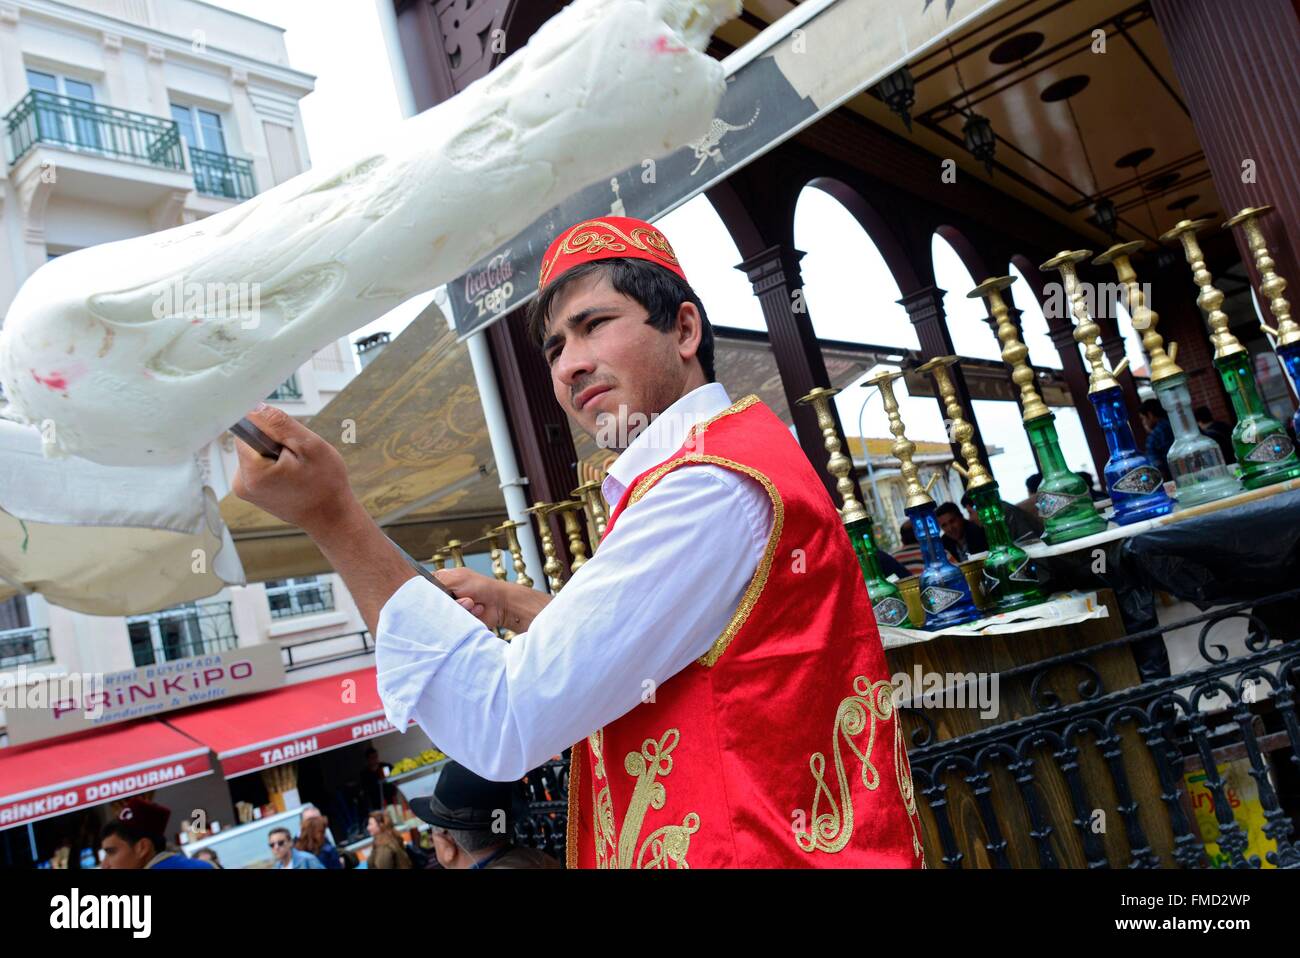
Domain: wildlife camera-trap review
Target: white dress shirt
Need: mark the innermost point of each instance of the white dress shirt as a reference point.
(653, 599)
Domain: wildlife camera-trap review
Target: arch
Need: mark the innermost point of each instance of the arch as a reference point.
(967, 252)
(1034, 331)
(875, 226)
(967, 318)
(709, 254)
(849, 288)
(735, 216)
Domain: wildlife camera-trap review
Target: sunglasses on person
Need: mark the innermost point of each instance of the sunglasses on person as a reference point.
(277, 843)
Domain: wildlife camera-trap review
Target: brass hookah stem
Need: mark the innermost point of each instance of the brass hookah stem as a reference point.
(1014, 352)
(516, 553)
(903, 448)
(1144, 318)
(551, 565)
(1210, 297)
(1086, 331)
(567, 511)
(961, 430)
(1270, 283)
(839, 465)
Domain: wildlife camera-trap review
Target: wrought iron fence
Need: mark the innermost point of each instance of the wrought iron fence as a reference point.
(361, 643)
(289, 597)
(181, 633)
(1100, 777)
(86, 126)
(289, 389)
(27, 646)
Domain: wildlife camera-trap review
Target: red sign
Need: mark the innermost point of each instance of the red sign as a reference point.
(293, 747)
(63, 797)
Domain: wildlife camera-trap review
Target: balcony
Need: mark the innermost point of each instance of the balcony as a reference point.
(24, 647)
(217, 174)
(97, 151)
(90, 127)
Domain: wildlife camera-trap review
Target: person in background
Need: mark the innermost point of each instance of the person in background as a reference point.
(961, 538)
(286, 856)
(1220, 432)
(373, 780)
(1097, 494)
(1160, 435)
(909, 556)
(473, 822)
(135, 839)
(208, 855)
(312, 839)
(388, 850)
(1023, 523)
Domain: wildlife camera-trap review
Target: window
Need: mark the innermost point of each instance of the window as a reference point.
(300, 596)
(289, 389)
(73, 122)
(201, 129)
(181, 632)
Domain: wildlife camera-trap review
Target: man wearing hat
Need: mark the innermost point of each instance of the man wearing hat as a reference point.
(474, 819)
(716, 661)
(135, 839)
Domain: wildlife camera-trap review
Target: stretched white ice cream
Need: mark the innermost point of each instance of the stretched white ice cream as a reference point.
(128, 347)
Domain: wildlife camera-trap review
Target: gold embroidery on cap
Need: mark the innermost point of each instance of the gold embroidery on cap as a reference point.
(587, 238)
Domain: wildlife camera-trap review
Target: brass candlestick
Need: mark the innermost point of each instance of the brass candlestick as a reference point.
(961, 431)
(1086, 331)
(456, 549)
(1210, 297)
(1271, 284)
(840, 466)
(498, 561)
(516, 553)
(567, 512)
(439, 559)
(1143, 316)
(551, 565)
(903, 448)
(1014, 352)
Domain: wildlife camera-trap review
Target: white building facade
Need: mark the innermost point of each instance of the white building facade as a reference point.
(124, 117)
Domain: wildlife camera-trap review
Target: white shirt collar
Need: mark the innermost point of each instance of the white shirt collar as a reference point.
(663, 437)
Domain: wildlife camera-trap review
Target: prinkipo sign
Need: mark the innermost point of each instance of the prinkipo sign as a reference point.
(73, 703)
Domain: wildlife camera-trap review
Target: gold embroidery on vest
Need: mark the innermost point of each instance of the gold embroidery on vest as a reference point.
(576, 759)
(665, 846)
(759, 579)
(831, 829)
(903, 773)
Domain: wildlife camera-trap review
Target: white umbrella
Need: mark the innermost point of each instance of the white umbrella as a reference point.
(109, 540)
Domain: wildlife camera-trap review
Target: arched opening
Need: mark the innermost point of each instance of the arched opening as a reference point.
(709, 256)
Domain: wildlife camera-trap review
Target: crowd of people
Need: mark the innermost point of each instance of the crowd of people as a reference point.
(472, 821)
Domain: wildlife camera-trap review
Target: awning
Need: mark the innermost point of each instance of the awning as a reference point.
(43, 779)
(260, 731)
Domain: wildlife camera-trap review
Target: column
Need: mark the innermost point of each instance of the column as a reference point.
(540, 427)
(775, 277)
(1236, 63)
(925, 309)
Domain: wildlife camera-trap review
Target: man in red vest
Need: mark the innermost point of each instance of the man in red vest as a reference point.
(716, 661)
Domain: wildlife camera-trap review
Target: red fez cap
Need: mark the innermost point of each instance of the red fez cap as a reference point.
(147, 818)
(607, 238)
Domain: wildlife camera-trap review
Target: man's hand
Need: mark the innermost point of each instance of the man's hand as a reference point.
(495, 603)
(307, 486)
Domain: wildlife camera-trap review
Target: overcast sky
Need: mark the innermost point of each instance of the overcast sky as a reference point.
(849, 290)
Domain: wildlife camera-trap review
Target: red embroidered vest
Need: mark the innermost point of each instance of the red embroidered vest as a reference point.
(778, 747)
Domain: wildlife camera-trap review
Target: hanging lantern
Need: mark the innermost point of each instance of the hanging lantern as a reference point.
(1104, 213)
(898, 90)
(980, 141)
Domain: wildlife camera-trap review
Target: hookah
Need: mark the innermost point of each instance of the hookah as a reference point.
(945, 593)
(1287, 334)
(1063, 500)
(1136, 486)
(1195, 459)
(1009, 575)
(1264, 450)
(886, 601)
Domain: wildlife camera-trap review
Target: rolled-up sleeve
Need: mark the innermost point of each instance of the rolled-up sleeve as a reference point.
(661, 589)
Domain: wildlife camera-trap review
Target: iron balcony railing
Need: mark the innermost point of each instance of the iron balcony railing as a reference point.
(90, 127)
(218, 174)
(24, 647)
(289, 389)
(358, 643)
